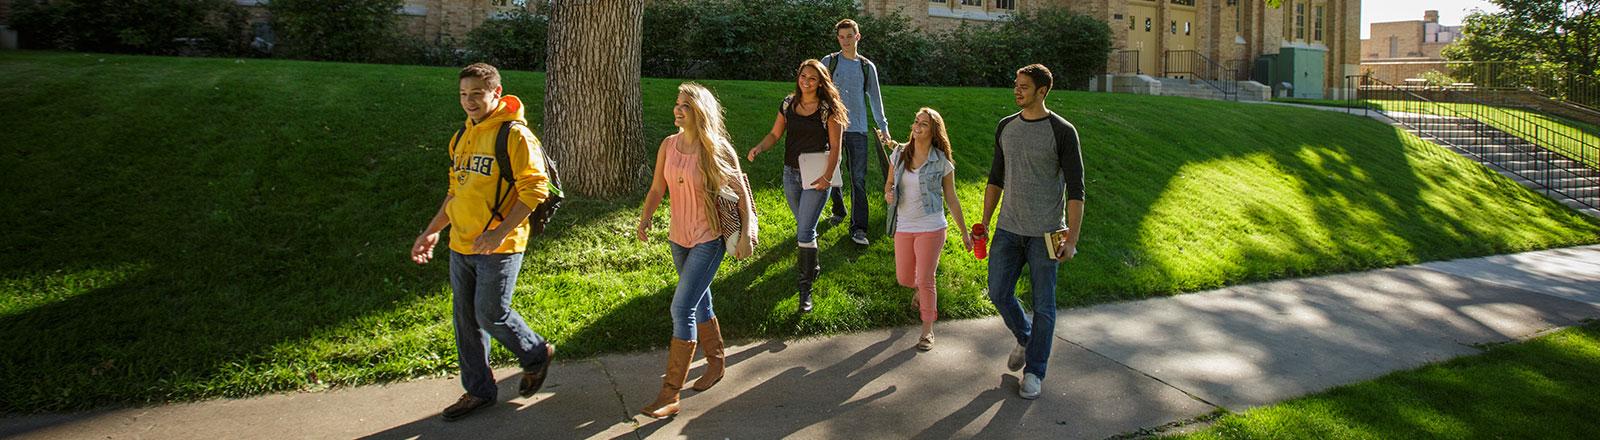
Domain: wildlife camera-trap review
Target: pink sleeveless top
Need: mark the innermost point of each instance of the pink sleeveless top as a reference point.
(685, 187)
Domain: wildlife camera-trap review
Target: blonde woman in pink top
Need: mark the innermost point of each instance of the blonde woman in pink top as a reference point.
(693, 167)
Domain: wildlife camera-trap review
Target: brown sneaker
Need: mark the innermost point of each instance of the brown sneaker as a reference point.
(533, 379)
(465, 406)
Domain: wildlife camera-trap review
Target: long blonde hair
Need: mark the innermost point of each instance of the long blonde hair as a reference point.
(719, 164)
(827, 95)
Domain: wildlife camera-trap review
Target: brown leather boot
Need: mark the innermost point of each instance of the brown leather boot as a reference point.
(716, 361)
(678, 358)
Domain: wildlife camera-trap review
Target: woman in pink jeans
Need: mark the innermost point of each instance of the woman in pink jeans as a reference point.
(921, 182)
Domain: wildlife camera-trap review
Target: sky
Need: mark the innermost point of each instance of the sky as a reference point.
(1451, 12)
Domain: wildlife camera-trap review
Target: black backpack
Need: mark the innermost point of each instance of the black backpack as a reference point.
(541, 214)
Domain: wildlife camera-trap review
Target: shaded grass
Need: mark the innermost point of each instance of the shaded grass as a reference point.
(182, 228)
(1542, 388)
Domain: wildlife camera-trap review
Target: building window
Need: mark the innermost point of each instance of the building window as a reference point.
(1238, 17)
(935, 1)
(1183, 2)
(1147, 24)
(1005, 4)
(1394, 46)
(1132, 22)
(1299, 20)
(1316, 30)
(1174, 27)
(978, 3)
(1186, 28)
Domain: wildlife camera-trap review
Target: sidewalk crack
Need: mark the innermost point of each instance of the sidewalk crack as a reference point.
(1136, 370)
(616, 390)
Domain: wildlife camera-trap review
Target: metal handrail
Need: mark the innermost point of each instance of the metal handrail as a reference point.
(1414, 114)
(1122, 57)
(1210, 72)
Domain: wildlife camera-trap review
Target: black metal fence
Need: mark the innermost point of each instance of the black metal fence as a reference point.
(1191, 64)
(1126, 62)
(1560, 159)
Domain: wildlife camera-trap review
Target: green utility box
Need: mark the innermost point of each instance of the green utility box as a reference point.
(1301, 69)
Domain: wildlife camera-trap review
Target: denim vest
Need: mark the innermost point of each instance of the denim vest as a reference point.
(930, 177)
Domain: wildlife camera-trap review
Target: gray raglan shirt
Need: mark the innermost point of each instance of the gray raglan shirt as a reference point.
(1039, 166)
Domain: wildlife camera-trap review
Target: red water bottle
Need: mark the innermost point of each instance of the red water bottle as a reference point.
(980, 241)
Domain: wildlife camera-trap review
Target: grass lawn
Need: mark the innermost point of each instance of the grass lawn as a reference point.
(1542, 389)
(182, 228)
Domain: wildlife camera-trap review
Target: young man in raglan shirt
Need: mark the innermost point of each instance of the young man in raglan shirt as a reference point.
(856, 77)
(1038, 168)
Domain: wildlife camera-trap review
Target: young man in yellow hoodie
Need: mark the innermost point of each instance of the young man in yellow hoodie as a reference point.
(486, 245)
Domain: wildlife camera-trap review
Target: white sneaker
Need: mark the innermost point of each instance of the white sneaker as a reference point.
(1031, 387)
(860, 237)
(1018, 356)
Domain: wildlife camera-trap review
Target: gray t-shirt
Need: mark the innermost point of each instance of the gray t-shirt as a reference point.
(1039, 165)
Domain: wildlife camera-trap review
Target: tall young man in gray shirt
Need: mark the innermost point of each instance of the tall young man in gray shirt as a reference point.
(1039, 170)
(857, 80)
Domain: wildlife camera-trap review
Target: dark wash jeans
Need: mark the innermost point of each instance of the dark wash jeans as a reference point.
(481, 305)
(1008, 253)
(856, 159)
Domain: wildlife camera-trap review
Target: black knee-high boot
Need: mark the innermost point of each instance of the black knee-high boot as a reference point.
(808, 269)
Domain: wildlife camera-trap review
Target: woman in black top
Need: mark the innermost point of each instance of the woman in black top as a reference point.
(810, 120)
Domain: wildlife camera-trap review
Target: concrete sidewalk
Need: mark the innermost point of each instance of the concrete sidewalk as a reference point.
(1116, 368)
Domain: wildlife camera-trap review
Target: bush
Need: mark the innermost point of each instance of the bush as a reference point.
(727, 39)
(335, 30)
(1074, 46)
(513, 41)
(766, 39)
(154, 27)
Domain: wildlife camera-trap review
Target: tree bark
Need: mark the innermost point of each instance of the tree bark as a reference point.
(592, 121)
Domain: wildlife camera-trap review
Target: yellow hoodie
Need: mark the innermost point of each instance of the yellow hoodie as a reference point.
(474, 174)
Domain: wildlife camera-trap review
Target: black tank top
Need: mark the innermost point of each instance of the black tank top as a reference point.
(802, 134)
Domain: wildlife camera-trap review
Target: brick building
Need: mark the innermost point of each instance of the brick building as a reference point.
(1302, 42)
(1399, 50)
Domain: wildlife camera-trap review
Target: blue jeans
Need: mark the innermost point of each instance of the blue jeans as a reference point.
(1008, 252)
(481, 305)
(856, 159)
(691, 302)
(805, 203)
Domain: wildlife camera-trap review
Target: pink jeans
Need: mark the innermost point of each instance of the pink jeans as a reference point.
(916, 260)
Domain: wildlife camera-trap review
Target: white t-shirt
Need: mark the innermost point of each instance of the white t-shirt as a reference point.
(909, 212)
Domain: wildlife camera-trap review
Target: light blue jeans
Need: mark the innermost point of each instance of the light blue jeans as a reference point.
(691, 302)
(481, 306)
(805, 203)
(1007, 254)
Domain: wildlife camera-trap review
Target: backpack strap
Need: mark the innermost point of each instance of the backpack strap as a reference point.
(454, 140)
(502, 158)
(833, 62)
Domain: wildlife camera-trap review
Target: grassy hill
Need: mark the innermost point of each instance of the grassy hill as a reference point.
(180, 228)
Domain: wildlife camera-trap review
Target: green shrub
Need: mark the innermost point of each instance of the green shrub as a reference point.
(767, 39)
(156, 27)
(342, 30)
(727, 39)
(515, 40)
(1074, 46)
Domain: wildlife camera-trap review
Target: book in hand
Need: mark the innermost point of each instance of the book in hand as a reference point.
(1054, 241)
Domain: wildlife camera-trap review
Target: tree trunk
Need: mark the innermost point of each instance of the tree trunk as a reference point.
(592, 124)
